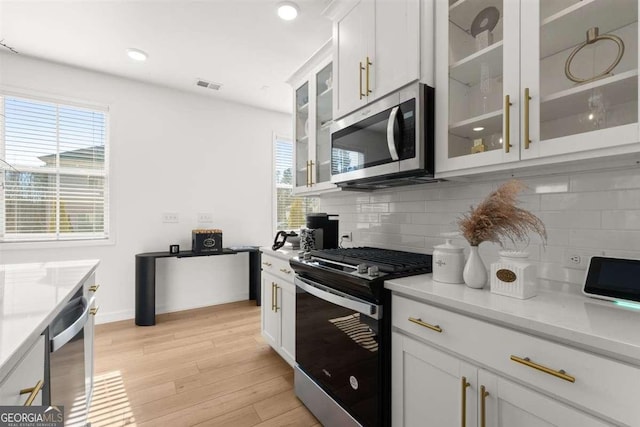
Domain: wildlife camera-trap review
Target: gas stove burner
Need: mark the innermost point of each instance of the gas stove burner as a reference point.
(386, 260)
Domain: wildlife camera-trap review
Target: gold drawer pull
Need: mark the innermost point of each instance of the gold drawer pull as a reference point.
(559, 374)
(94, 310)
(418, 321)
(268, 264)
(94, 288)
(34, 392)
(483, 406)
(284, 270)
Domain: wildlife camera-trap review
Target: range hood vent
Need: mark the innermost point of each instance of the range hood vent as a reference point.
(208, 85)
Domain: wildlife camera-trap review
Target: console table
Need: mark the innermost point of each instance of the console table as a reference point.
(146, 279)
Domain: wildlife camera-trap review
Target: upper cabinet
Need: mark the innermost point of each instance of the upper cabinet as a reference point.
(377, 49)
(534, 82)
(313, 100)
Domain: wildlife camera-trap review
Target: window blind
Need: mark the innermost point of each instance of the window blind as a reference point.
(57, 188)
(291, 211)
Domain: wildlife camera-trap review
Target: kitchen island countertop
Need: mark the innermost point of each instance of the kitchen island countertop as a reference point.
(31, 295)
(559, 312)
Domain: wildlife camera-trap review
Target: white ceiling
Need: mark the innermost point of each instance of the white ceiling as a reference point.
(239, 43)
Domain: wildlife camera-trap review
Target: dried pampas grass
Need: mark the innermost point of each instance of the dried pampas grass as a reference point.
(497, 218)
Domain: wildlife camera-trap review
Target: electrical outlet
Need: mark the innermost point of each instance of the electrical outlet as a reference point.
(170, 217)
(205, 217)
(579, 258)
(347, 237)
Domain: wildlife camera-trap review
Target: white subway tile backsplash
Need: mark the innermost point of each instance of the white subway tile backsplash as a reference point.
(621, 220)
(595, 210)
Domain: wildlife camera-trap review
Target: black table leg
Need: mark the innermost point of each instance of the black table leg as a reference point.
(254, 277)
(145, 291)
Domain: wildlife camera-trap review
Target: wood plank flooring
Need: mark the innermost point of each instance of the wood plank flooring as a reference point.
(203, 367)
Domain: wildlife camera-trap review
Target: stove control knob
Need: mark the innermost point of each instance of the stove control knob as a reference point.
(362, 268)
(373, 271)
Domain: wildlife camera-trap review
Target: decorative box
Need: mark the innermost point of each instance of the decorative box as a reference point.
(206, 240)
(514, 276)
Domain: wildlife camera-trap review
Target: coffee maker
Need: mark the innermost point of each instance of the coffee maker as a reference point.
(321, 232)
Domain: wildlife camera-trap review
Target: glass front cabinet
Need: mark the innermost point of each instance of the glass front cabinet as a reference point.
(313, 117)
(523, 80)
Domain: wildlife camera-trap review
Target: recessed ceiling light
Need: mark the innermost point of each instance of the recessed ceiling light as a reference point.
(287, 10)
(136, 54)
(478, 129)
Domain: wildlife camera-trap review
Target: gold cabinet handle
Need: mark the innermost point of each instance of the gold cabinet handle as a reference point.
(419, 321)
(33, 392)
(94, 288)
(507, 125)
(275, 305)
(94, 310)
(559, 374)
(369, 63)
(527, 98)
(268, 264)
(360, 70)
(310, 173)
(284, 270)
(483, 406)
(273, 296)
(463, 415)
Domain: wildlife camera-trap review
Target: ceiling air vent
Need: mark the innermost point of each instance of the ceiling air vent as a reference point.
(209, 85)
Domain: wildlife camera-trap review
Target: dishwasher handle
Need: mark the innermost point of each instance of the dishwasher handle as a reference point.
(65, 336)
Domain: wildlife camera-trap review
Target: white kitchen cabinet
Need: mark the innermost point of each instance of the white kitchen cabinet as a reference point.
(376, 50)
(504, 98)
(26, 379)
(278, 309)
(530, 381)
(313, 115)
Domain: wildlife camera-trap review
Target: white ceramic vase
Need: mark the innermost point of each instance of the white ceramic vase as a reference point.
(474, 273)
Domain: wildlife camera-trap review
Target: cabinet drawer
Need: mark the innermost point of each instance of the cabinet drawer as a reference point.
(278, 267)
(27, 374)
(593, 382)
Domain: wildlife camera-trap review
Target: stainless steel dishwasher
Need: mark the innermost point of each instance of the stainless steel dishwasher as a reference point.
(67, 360)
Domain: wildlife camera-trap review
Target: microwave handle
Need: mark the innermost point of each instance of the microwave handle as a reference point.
(391, 140)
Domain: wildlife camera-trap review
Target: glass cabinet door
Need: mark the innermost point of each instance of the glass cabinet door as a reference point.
(302, 135)
(482, 54)
(581, 73)
(324, 119)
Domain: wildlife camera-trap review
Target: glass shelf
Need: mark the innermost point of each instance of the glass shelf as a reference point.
(491, 122)
(466, 71)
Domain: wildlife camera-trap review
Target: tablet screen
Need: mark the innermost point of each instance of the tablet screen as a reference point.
(614, 277)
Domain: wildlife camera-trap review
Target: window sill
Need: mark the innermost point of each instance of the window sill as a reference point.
(58, 244)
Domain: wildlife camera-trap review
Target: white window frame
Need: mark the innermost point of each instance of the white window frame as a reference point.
(78, 239)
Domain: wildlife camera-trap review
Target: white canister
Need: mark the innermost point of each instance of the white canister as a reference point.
(514, 276)
(448, 262)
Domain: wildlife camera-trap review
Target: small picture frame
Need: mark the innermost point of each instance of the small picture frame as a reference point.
(174, 249)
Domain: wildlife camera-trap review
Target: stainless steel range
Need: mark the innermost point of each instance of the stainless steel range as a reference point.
(343, 332)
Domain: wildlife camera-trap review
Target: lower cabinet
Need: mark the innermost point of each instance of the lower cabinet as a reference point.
(23, 385)
(433, 388)
(278, 315)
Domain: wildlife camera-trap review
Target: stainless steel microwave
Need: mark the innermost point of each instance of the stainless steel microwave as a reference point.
(388, 143)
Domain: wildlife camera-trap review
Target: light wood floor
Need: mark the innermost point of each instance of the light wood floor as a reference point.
(204, 367)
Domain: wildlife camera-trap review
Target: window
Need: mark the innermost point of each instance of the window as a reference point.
(291, 210)
(56, 185)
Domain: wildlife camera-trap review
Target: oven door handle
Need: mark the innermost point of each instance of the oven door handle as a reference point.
(339, 298)
(65, 336)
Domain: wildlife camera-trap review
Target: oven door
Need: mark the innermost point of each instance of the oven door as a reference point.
(381, 140)
(337, 339)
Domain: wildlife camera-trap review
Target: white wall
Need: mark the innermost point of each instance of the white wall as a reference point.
(592, 211)
(170, 152)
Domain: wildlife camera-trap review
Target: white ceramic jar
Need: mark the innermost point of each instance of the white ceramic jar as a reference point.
(513, 275)
(448, 261)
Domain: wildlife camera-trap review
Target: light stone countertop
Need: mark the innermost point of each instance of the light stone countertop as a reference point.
(285, 253)
(31, 295)
(560, 312)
